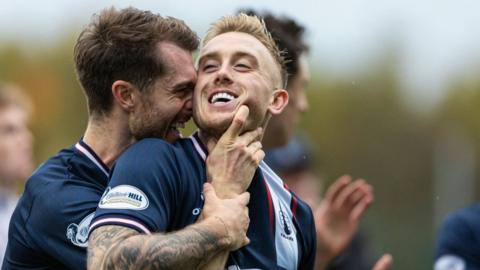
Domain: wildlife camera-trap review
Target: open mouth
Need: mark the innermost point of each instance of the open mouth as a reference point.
(176, 126)
(221, 97)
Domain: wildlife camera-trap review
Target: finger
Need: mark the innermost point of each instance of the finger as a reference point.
(258, 156)
(247, 241)
(237, 124)
(209, 192)
(334, 190)
(359, 209)
(346, 192)
(358, 195)
(244, 198)
(254, 147)
(265, 122)
(250, 137)
(384, 263)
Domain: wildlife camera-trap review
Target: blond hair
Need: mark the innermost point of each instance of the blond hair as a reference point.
(253, 26)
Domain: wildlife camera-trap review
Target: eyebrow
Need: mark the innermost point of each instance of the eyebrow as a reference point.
(184, 84)
(236, 55)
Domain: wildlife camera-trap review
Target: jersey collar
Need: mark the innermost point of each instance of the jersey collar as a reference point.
(86, 150)
(199, 146)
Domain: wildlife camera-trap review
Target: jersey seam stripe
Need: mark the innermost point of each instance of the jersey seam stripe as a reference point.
(270, 206)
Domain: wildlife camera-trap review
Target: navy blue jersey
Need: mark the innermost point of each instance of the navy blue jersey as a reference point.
(49, 227)
(157, 187)
(458, 244)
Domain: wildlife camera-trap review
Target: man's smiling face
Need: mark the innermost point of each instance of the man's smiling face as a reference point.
(234, 69)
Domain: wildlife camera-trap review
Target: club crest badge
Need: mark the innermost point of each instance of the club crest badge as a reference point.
(78, 233)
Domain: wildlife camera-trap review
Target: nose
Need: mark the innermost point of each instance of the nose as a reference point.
(302, 102)
(223, 75)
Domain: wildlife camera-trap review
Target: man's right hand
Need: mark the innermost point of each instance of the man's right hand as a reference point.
(235, 157)
(229, 215)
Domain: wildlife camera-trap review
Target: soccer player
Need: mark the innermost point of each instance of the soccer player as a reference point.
(239, 64)
(458, 244)
(16, 155)
(137, 73)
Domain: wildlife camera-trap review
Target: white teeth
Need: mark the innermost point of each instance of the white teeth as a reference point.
(222, 97)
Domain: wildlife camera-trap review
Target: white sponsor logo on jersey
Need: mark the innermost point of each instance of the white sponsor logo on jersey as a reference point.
(78, 234)
(124, 197)
(449, 262)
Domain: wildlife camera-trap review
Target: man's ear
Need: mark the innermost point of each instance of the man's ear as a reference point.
(279, 101)
(124, 94)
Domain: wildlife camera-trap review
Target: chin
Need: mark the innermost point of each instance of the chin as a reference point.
(215, 127)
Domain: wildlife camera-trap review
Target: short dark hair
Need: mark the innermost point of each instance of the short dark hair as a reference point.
(120, 44)
(288, 35)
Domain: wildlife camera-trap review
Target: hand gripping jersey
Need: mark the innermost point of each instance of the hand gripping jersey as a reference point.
(458, 245)
(49, 227)
(157, 187)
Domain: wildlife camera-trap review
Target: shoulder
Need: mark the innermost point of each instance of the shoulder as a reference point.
(458, 240)
(151, 150)
(463, 221)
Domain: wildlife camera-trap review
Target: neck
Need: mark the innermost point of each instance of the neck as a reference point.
(108, 137)
(208, 139)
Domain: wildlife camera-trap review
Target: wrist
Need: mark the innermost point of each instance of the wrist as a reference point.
(226, 190)
(219, 228)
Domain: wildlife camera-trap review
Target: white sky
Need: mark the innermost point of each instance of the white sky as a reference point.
(437, 39)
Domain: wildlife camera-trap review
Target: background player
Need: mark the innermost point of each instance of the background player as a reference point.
(16, 152)
(458, 244)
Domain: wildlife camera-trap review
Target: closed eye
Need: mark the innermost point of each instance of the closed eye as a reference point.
(209, 68)
(242, 67)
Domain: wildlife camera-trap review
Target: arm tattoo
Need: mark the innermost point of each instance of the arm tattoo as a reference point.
(124, 248)
(102, 239)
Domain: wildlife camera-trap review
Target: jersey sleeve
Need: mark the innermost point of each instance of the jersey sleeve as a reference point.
(456, 245)
(42, 238)
(142, 190)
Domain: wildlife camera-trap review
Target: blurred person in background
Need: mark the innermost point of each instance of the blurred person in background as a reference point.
(458, 243)
(337, 215)
(332, 237)
(16, 152)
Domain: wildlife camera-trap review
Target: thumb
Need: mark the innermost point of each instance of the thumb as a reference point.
(237, 124)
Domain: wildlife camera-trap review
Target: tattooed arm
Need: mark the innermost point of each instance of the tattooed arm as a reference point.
(126, 248)
(223, 227)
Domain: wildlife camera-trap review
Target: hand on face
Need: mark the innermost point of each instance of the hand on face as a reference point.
(338, 216)
(230, 216)
(235, 157)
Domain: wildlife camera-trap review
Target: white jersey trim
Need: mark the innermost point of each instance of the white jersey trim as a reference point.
(91, 157)
(199, 149)
(286, 242)
(121, 221)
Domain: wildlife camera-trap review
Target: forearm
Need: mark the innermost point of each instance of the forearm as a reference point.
(189, 248)
(218, 262)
